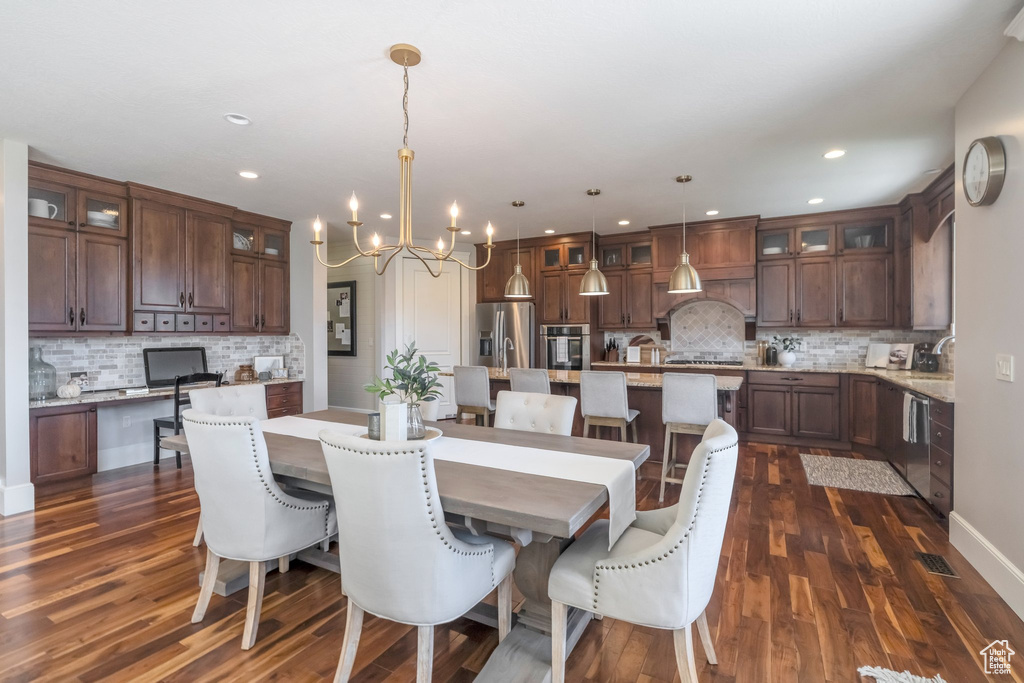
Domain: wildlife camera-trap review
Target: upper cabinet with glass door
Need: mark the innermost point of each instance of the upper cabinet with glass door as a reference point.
(874, 236)
(58, 199)
(817, 240)
(773, 244)
(565, 255)
(622, 254)
(255, 235)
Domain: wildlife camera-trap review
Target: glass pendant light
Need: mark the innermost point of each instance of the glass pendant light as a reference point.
(684, 279)
(594, 282)
(517, 287)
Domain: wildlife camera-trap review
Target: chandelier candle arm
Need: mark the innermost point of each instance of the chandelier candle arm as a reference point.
(405, 56)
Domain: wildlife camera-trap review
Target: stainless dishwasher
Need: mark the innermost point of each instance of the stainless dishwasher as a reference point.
(916, 440)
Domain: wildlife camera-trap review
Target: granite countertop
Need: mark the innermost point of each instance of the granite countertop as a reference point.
(154, 394)
(644, 380)
(935, 385)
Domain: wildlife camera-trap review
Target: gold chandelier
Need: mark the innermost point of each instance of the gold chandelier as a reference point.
(405, 56)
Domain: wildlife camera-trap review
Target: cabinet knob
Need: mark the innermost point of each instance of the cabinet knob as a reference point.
(938, 435)
(71, 316)
(938, 494)
(938, 463)
(190, 299)
(81, 317)
(181, 299)
(82, 224)
(71, 223)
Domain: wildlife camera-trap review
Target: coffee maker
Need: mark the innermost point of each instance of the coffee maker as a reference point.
(924, 359)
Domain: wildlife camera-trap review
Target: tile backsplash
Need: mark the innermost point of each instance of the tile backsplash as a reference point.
(710, 330)
(116, 362)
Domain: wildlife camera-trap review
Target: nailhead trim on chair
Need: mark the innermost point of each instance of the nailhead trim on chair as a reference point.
(326, 507)
(700, 490)
(431, 514)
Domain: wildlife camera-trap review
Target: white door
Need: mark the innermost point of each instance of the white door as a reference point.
(432, 317)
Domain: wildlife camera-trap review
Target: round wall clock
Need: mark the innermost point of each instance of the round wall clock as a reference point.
(984, 168)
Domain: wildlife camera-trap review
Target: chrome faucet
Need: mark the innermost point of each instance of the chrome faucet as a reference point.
(942, 342)
(506, 347)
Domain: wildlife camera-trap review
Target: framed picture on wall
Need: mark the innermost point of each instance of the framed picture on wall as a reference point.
(341, 318)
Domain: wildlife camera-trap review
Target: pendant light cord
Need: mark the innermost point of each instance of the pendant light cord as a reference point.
(593, 226)
(405, 103)
(684, 218)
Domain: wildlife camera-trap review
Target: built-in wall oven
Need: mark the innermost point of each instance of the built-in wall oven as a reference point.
(565, 347)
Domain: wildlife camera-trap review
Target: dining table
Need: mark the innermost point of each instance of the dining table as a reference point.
(540, 513)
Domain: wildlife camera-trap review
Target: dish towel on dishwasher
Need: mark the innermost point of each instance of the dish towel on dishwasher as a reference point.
(561, 349)
(909, 418)
(617, 476)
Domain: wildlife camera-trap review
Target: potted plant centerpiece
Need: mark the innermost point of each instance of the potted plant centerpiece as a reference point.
(414, 381)
(787, 349)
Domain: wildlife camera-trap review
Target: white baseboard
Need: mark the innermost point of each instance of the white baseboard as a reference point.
(996, 568)
(17, 499)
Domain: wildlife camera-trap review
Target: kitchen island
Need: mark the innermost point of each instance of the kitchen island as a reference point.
(644, 393)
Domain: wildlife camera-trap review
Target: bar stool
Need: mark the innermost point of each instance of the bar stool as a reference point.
(689, 403)
(530, 381)
(473, 392)
(603, 402)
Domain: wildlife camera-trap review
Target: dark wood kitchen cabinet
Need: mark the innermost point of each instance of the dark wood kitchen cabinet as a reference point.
(863, 410)
(52, 274)
(77, 253)
(158, 257)
(865, 290)
(803, 405)
(207, 268)
(629, 302)
(77, 281)
(62, 443)
(816, 412)
(815, 292)
(890, 425)
(776, 293)
(563, 255)
(719, 249)
(769, 409)
(259, 296)
(559, 301)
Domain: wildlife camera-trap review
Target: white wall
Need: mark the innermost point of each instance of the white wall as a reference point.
(989, 459)
(309, 312)
(16, 492)
(346, 375)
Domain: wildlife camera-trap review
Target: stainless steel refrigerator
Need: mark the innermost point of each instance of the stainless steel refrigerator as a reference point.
(505, 328)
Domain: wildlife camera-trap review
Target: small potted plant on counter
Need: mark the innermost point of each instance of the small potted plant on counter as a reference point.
(787, 349)
(414, 381)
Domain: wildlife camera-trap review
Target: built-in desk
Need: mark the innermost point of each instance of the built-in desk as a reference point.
(63, 441)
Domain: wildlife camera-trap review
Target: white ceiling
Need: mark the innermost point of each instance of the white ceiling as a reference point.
(532, 100)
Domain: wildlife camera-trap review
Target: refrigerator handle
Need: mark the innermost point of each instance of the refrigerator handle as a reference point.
(499, 336)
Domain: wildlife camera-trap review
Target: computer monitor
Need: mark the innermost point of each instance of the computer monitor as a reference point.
(164, 365)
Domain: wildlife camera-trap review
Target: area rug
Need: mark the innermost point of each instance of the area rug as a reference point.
(859, 475)
(888, 676)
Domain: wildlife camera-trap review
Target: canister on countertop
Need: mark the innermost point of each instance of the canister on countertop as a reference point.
(762, 351)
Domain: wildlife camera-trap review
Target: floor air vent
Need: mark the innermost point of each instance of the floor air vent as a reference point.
(936, 564)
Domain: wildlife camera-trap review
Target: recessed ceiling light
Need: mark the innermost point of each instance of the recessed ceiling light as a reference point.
(385, 216)
(549, 231)
(237, 119)
(248, 174)
(712, 212)
(466, 232)
(834, 153)
(933, 171)
(623, 222)
(816, 200)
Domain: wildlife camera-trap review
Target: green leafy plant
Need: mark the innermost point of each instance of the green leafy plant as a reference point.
(786, 343)
(413, 377)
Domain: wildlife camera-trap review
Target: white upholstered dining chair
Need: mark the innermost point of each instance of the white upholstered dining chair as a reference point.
(541, 413)
(246, 400)
(473, 391)
(530, 380)
(689, 402)
(661, 571)
(246, 515)
(399, 560)
(604, 402)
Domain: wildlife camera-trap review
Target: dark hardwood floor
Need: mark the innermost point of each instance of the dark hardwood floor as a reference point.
(100, 582)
